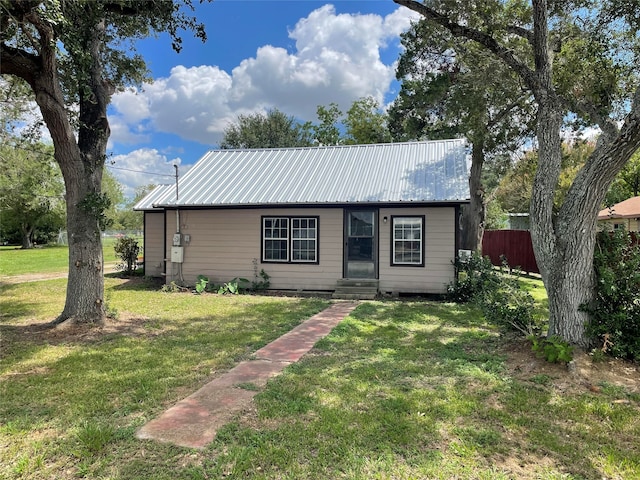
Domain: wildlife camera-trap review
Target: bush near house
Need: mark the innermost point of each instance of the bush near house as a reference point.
(499, 296)
(127, 250)
(615, 324)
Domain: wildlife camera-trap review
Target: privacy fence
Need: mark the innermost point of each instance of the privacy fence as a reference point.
(516, 248)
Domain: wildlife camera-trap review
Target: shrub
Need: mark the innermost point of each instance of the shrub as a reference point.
(476, 275)
(499, 296)
(511, 307)
(233, 286)
(615, 314)
(201, 284)
(127, 250)
(553, 349)
(260, 280)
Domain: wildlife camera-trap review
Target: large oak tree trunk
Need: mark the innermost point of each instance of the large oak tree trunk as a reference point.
(85, 286)
(81, 162)
(473, 215)
(564, 242)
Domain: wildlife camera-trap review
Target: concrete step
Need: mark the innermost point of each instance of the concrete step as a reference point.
(344, 289)
(358, 282)
(356, 289)
(354, 296)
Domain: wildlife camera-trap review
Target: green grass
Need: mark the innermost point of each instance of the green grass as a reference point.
(399, 389)
(47, 259)
(70, 402)
(536, 289)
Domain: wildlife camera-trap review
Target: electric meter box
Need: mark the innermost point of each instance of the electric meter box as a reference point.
(177, 253)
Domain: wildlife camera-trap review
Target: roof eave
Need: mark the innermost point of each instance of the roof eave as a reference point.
(334, 204)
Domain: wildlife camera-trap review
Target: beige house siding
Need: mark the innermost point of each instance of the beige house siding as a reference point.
(153, 245)
(223, 244)
(439, 245)
(630, 224)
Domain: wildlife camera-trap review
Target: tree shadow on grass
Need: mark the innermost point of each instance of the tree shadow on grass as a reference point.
(137, 283)
(381, 396)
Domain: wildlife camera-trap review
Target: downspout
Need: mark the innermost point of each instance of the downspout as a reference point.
(178, 222)
(177, 209)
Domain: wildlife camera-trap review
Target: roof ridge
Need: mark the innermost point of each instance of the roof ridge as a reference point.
(357, 145)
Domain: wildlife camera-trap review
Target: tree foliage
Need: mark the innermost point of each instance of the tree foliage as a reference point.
(74, 55)
(615, 320)
(515, 189)
(578, 61)
(112, 188)
(31, 194)
(126, 218)
(452, 88)
(365, 123)
(627, 182)
(273, 129)
(327, 131)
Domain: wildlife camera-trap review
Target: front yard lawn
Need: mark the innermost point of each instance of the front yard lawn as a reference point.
(44, 259)
(400, 389)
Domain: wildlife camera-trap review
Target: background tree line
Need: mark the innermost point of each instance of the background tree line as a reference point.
(32, 197)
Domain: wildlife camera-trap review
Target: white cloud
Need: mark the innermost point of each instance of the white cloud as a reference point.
(399, 21)
(125, 133)
(142, 167)
(132, 106)
(336, 59)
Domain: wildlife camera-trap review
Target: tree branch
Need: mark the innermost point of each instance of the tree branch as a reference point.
(14, 61)
(505, 111)
(608, 126)
(541, 45)
(482, 38)
(521, 32)
(121, 9)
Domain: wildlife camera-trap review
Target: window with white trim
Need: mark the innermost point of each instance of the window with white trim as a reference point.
(407, 241)
(290, 239)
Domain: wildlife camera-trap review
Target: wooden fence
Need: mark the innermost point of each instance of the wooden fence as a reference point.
(517, 249)
(514, 245)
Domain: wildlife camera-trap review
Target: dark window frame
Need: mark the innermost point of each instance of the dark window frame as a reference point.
(393, 262)
(291, 239)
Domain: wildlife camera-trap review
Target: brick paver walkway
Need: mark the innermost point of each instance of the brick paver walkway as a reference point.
(194, 421)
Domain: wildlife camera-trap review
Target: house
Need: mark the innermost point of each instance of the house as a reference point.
(625, 215)
(518, 221)
(384, 216)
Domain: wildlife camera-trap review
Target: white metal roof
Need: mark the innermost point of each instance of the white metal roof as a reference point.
(420, 172)
(148, 202)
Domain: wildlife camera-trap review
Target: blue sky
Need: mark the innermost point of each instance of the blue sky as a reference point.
(261, 54)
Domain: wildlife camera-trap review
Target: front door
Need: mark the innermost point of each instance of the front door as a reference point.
(361, 245)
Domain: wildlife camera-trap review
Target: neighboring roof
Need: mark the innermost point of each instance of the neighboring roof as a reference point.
(417, 172)
(627, 209)
(147, 203)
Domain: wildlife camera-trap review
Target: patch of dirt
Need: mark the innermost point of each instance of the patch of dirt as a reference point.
(40, 333)
(31, 277)
(576, 377)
